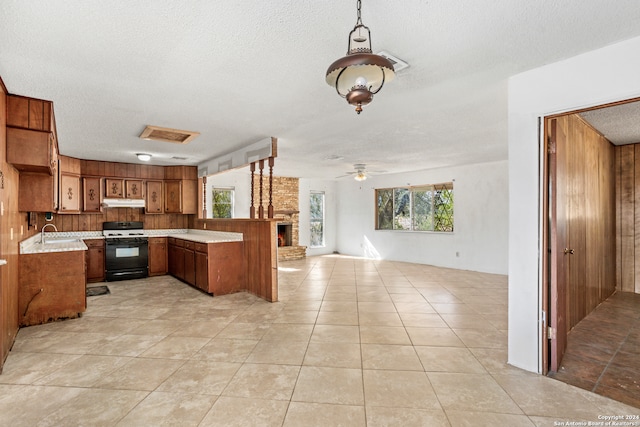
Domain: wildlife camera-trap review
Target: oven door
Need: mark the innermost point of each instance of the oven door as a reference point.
(126, 258)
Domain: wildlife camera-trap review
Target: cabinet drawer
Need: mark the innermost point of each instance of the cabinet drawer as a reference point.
(202, 247)
(189, 245)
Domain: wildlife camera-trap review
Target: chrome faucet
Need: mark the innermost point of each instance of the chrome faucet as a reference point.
(42, 231)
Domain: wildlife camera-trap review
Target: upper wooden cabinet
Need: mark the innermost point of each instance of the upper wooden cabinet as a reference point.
(69, 193)
(154, 200)
(180, 196)
(92, 195)
(114, 188)
(133, 189)
(30, 113)
(31, 150)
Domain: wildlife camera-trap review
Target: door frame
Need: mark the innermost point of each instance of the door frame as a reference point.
(545, 239)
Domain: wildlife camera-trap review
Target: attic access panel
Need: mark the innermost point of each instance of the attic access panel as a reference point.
(156, 133)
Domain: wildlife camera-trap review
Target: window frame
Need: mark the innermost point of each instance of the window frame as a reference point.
(433, 210)
(232, 190)
(313, 220)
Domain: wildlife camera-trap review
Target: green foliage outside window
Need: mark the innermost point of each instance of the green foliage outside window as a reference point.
(422, 208)
(222, 203)
(316, 216)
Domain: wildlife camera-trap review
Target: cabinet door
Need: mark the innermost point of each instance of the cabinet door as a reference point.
(95, 260)
(114, 188)
(173, 196)
(176, 261)
(69, 193)
(157, 256)
(134, 189)
(189, 266)
(202, 271)
(154, 197)
(92, 195)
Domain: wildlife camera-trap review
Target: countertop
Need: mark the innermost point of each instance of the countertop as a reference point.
(73, 240)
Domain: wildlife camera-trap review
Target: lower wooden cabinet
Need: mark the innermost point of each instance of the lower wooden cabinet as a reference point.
(175, 248)
(189, 262)
(95, 260)
(51, 287)
(158, 256)
(215, 268)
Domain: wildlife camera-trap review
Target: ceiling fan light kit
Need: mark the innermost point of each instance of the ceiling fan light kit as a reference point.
(360, 74)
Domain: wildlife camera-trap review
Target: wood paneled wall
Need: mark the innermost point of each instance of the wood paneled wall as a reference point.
(260, 251)
(13, 229)
(628, 224)
(93, 222)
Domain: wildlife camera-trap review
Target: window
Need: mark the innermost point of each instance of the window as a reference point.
(419, 208)
(222, 202)
(316, 217)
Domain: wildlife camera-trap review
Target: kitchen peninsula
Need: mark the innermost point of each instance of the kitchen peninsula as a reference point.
(212, 261)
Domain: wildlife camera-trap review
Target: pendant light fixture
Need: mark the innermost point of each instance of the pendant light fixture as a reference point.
(360, 74)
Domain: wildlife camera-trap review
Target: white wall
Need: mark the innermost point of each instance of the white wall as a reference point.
(330, 215)
(240, 180)
(595, 78)
(479, 240)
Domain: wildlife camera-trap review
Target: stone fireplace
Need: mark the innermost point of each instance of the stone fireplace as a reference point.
(285, 206)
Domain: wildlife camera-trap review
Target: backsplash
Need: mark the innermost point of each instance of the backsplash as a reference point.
(93, 222)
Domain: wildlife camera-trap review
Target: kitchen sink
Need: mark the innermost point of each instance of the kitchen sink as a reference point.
(52, 241)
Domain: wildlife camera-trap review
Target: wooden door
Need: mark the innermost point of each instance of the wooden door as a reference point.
(95, 260)
(202, 271)
(69, 193)
(114, 188)
(133, 189)
(173, 196)
(559, 244)
(157, 256)
(154, 204)
(92, 195)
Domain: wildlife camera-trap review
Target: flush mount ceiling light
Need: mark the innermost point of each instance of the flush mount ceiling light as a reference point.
(144, 157)
(360, 74)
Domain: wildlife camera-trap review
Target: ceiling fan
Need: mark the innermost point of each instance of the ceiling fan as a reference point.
(360, 172)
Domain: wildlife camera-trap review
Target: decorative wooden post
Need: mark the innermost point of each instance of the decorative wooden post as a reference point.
(270, 208)
(260, 207)
(252, 209)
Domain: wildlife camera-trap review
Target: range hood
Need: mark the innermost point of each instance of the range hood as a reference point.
(123, 203)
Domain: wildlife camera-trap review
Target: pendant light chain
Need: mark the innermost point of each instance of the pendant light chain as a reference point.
(359, 5)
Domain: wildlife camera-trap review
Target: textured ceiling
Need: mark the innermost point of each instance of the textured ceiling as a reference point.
(620, 124)
(238, 72)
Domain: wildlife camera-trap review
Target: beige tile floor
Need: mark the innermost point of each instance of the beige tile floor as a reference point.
(352, 342)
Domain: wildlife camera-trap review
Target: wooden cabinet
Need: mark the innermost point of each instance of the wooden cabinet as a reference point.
(114, 188)
(154, 203)
(30, 113)
(180, 196)
(51, 286)
(69, 187)
(189, 263)
(31, 150)
(176, 257)
(92, 195)
(69, 193)
(95, 260)
(158, 254)
(133, 189)
(202, 266)
(215, 268)
(37, 192)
